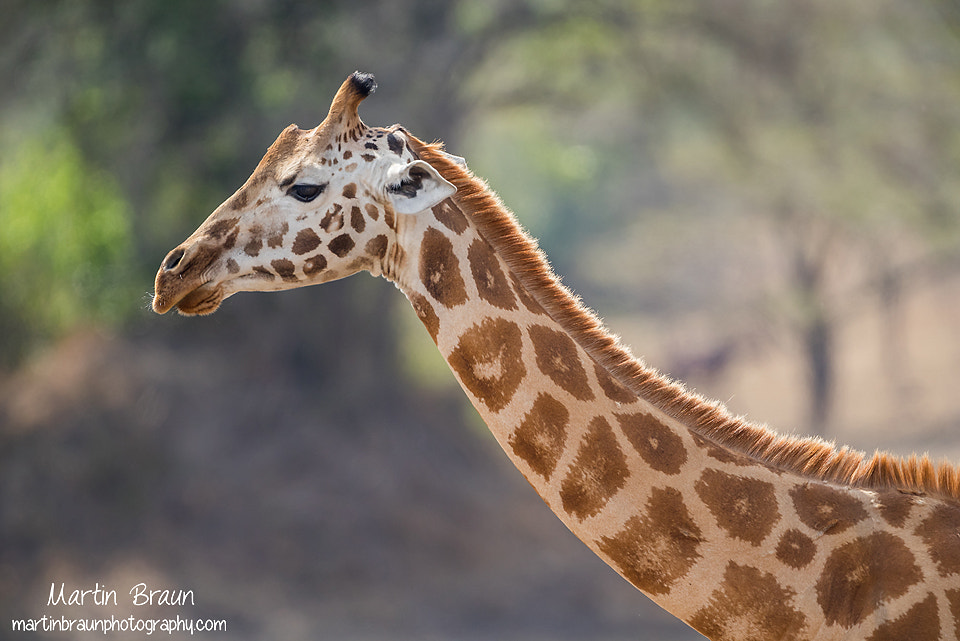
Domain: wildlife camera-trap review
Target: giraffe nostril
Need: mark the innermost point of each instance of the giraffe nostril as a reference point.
(173, 259)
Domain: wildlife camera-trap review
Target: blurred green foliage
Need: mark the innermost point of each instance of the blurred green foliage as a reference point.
(65, 250)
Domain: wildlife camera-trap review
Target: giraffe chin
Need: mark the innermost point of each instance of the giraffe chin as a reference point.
(201, 301)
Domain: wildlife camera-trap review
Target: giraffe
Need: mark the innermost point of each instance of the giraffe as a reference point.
(740, 532)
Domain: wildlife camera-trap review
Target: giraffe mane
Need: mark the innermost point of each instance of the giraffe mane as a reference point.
(811, 457)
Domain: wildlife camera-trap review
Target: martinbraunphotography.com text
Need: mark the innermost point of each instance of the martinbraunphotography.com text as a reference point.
(140, 595)
(105, 625)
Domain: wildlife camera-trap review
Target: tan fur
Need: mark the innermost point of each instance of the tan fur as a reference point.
(811, 457)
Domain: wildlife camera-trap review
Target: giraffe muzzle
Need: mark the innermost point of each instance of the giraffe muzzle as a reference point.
(183, 281)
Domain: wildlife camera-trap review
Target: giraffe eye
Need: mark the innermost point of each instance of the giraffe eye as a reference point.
(305, 193)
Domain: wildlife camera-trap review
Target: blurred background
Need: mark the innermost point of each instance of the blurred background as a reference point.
(760, 197)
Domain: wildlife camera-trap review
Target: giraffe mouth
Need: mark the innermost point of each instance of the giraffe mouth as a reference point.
(199, 301)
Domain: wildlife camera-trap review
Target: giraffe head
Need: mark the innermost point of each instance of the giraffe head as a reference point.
(322, 204)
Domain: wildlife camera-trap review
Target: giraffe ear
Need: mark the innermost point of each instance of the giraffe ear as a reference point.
(416, 186)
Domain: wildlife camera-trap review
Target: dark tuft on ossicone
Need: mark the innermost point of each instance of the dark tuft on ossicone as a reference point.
(364, 83)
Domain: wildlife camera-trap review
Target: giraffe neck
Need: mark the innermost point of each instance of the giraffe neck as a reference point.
(730, 543)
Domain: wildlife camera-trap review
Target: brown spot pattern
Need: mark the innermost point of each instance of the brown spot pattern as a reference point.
(394, 143)
(919, 623)
(941, 532)
(557, 358)
(826, 509)
(796, 549)
(253, 247)
(860, 576)
(541, 435)
(491, 283)
(657, 548)
(895, 507)
(221, 228)
(450, 216)
(333, 220)
(285, 269)
(487, 360)
(746, 508)
(306, 241)
(377, 246)
(350, 191)
(239, 201)
(232, 266)
(598, 472)
(372, 211)
(657, 444)
(277, 239)
(611, 387)
(423, 308)
(314, 265)
(231, 238)
(750, 605)
(341, 245)
(440, 269)
(356, 219)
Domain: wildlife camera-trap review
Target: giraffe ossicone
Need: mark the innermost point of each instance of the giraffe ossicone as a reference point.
(740, 532)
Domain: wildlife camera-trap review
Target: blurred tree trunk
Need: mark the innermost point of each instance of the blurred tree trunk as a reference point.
(814, 323)
(818, 341)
